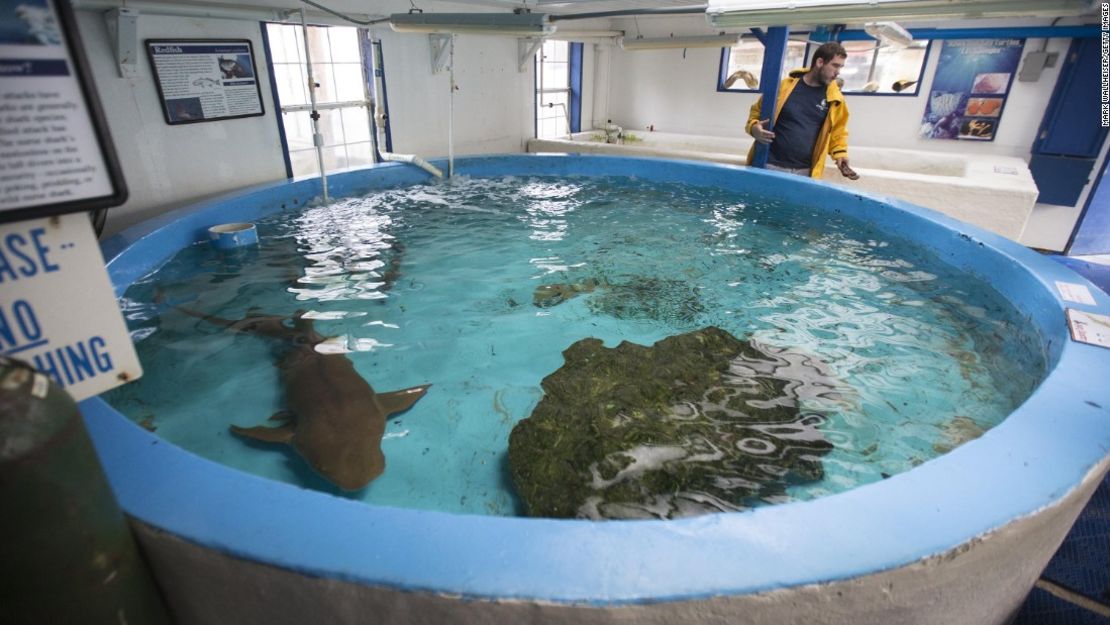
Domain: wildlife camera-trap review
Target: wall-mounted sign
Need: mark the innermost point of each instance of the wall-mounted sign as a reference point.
(58, 311)
(205, 80)
(969, 88)
(55, 152)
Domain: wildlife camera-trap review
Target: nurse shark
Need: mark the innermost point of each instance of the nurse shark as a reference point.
(334, 419)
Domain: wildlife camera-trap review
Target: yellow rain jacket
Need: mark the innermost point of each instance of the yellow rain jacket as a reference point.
(833, 138)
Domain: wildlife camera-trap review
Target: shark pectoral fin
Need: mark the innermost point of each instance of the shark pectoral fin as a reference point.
(400, 401)
(282, 415)
(283, 434)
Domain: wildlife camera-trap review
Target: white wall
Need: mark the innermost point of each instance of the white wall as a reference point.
(675, 90)
(167, 166)
(492, 104)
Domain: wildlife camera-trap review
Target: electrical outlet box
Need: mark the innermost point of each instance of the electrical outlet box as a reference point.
(1034, 64)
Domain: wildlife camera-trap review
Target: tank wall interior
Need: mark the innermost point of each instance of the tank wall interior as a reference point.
(1000, 503)
(991, 191)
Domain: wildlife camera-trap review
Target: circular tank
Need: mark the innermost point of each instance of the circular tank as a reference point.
(961, 538)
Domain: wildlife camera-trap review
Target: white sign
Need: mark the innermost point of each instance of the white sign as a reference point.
(1089, 327)
(205, 80)
(58, 311)
(50, 152)
(1078, 293)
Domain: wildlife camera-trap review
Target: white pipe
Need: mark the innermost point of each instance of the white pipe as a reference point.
(413, 159)
(451, 115)
(379, 128)
(317, 138)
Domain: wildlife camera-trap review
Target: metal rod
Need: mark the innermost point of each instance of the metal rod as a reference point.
(317, 138)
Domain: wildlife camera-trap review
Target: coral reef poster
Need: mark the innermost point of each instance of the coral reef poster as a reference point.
(969, 88)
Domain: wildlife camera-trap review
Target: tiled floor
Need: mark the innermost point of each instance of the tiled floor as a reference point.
(1080, 570)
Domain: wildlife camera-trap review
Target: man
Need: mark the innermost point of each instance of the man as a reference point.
(811, 119)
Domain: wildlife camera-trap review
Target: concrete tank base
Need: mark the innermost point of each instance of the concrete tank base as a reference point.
(982, 582)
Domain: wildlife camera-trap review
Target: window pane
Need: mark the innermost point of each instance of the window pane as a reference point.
(291, 84)
(324, 77)
(876, 69)
(554, 75)
(747, 56)
(285, 43)
(356, 124)
(277, 48)
(335, 158)
(360, 154)
(348, 82)
(857, 67)
(344, 45)
(319, 45)
(331, 127)
(559, 52)
(303, 162)
(337, 69)
(298, 130)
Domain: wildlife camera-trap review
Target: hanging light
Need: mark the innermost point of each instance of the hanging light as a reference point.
(657, 43)
(889, 33)
(733, 13)
(510, 24)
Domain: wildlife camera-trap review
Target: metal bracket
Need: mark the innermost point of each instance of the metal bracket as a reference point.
(527, 50)
(123, 30)
(440, 44)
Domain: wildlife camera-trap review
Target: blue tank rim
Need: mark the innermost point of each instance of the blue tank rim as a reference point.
(1058, 438)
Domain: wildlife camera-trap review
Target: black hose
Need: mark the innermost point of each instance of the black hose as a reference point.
(345, 17)
(629, 12)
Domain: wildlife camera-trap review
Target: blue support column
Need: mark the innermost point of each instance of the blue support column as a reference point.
(774, 53)
(575, 67)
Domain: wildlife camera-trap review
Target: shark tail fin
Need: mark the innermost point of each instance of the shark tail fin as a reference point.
(283, 434)
(400, 401)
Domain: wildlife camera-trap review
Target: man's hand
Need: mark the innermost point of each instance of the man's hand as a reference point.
(845, 170)
(761, 135)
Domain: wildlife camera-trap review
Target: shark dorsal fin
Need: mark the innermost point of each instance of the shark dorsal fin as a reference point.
(400, 401)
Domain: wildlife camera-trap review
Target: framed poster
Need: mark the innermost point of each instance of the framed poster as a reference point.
(204, 80)
(56, 155)
(970, 87)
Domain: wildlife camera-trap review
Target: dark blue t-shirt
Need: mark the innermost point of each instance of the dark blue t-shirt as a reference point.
(799, 122)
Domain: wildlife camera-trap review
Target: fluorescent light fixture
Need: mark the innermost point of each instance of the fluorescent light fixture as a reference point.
(889, 33)
(747, 13)
(659, 43)
(514, 24)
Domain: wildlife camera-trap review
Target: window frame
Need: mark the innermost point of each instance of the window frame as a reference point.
(907, 93)
(573, 88)
(722, 72)
(366, 103)
(726, 52)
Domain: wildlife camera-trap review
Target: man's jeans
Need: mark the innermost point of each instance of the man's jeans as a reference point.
(797, 171)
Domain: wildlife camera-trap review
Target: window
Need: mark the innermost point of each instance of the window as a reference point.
(871, 69)
(341, 98)
(748, 56)
(553, 90)
(558, 88)
(868, 68)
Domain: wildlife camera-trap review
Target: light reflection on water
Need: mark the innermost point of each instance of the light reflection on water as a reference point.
(435, 283)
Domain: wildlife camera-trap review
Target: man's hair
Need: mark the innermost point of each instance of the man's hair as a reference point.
(827, 52)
